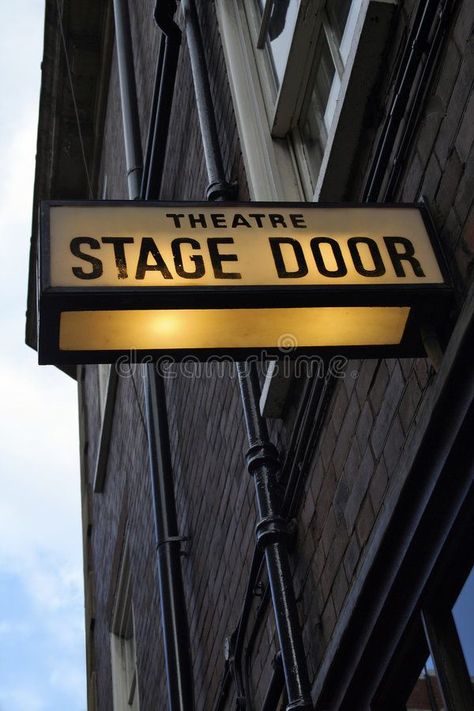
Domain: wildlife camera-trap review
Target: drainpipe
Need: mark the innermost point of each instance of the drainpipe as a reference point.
(409, 66)
(162, 99)
(273, 537)
(128, 97)
(219, 188)
(262, 457)
(174, 621)
(168, 543)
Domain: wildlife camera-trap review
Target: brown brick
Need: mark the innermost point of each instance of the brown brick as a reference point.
(465, 193)
(365, 522)
(465, 135)
(359, 487)
(449, 183)
(463, 25)
(431, 178)
(378, 387)
(409, 403)
(344, 436)
(351, 557)
(389, 405)
(413, 177)
(366, 372)
(328, 532)
(339, 409)
(364, 426)
(449, 71)
(339, 590)
(429, 128)
(393, 446)
(457, 103)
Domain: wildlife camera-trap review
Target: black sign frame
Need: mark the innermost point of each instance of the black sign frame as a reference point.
(429, 303)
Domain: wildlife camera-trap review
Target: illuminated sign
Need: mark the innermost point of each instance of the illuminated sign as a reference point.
(204, 278)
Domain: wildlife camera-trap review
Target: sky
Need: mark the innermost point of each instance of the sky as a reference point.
(41, 585)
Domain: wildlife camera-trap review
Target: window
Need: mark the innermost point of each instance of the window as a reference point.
(303, 71)
(107, 389)
(301, 74)
(307, 75)
(463, 613)
(103, 374)
(426, 694)
(122, 643)
(446, 680)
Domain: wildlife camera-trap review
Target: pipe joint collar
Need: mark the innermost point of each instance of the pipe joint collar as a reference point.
(220, 189)
(271, 529)
(263, 453)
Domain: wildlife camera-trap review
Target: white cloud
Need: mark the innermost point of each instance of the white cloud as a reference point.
(21, 698)
(67, 678)
(40, 527)
(9, 628)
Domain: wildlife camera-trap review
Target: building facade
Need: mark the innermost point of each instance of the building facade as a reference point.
(351, 101)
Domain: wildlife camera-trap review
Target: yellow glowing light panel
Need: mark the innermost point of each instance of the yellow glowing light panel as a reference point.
(231, 328)
(221, 246)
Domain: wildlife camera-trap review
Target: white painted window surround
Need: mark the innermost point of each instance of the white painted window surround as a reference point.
(103, 374)
(268, 110)
(122, 644)
(267, 118)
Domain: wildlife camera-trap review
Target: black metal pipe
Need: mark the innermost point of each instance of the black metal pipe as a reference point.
(408, 68)
(168, 542)
(175, 628)
(162, 99)
(272, 535)
(128, 95)
(423, 84)
(218, 187)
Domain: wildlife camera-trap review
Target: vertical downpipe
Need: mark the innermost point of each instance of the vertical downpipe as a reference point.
(177, 649)
(128, 96)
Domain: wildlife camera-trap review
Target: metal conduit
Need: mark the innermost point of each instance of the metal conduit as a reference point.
(219, 188)
(408, 68)
(128, 97)
(272, 536)
(174, 621)
(168, 543)
(162, 99)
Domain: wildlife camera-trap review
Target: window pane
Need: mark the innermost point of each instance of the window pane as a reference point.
(313, 124)
(325, 72)
(280, 32)
(338, 11)
(313, 150)
(463, 613)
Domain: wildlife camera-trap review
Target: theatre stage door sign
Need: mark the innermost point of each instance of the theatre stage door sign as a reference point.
(212, 279)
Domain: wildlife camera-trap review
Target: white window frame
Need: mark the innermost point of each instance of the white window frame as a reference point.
(274, 165)
(273, 159)
(122, 644)
(103, 376)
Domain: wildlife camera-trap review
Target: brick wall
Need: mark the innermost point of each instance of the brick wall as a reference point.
(354, 473)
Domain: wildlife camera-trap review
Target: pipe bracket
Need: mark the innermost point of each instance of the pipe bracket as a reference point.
(261, 454)
(271, 529)
(220, 189)
(173, 539)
